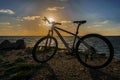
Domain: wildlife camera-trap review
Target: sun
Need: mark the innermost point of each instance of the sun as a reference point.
(51, 20)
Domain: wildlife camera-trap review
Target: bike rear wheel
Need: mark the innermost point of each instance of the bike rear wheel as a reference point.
(94, 51)
(45, 49)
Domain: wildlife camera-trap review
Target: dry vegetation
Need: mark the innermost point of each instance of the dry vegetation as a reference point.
(19, 65)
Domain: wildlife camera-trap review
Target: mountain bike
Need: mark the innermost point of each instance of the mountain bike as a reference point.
(92, 50)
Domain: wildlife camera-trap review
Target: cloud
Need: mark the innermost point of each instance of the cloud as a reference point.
(18, 25)
(4, 23)
(54, 8)
(31, 18)
(19, 18)
(7, 11)
(66, 22)
(99, 24)
(105, 22)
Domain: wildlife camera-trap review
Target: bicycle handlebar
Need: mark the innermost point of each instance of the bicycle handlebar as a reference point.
(53, 23)
(45, 19)
(56, 23)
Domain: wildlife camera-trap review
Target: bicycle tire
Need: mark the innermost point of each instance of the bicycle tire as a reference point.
(36, 46)
(102, 38)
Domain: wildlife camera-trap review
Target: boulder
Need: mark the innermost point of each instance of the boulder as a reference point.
(20, 44)
(7, 45)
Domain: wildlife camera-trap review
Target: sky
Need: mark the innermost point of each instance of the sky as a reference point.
(24, 17)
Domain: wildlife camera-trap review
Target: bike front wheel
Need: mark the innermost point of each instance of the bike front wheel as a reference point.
(45, 49)
(94, 51)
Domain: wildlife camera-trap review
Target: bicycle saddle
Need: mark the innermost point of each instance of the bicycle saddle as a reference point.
(80, 22)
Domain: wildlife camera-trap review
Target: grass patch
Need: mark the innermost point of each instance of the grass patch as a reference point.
(22, 66)
(21, 75)
(18, 70)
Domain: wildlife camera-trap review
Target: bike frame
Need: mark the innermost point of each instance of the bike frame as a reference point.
(54, 28)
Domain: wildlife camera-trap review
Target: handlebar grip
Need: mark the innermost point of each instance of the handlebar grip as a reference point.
(58, 23)
(45, 19)
(53, 23)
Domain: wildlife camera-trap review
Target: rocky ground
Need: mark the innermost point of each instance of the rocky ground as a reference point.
(19, 65)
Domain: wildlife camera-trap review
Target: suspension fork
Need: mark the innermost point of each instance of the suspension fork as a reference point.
(50, 33)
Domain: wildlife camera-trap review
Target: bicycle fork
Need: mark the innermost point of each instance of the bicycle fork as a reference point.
(47, 43)
(50, 33)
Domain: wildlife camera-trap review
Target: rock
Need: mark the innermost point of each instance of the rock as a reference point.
(20, 44)
(6, 44)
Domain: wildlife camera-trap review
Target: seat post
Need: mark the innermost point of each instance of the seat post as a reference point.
(76, 36)
(77, 28)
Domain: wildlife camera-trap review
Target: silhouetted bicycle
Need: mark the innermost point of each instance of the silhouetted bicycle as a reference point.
(92, 50)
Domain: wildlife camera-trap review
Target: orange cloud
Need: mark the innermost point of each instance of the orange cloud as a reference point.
(66, 22)
(54, 8)
(31, 17)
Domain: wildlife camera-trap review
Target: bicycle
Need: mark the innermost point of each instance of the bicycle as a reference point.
(89, 51)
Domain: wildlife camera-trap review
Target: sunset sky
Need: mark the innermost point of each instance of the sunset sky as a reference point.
(24, 17)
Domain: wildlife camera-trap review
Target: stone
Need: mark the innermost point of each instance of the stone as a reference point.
(6, 44)
(20, 44)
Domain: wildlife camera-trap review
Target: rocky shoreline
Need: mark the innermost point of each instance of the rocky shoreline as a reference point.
(19, 65)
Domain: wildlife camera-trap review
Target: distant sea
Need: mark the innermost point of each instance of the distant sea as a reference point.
(31, 40)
